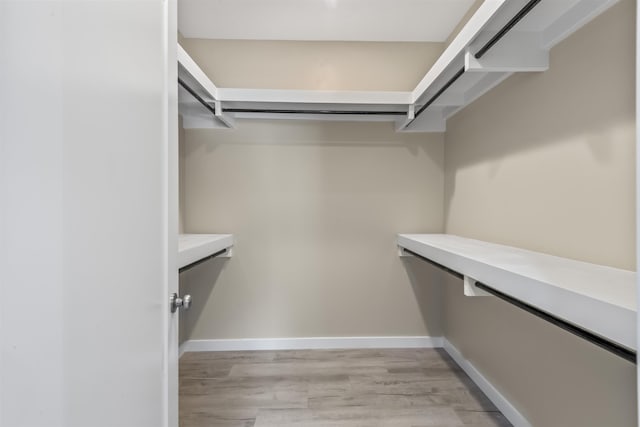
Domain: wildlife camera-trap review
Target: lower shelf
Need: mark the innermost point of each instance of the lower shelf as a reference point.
(193, 248)
(597, 299)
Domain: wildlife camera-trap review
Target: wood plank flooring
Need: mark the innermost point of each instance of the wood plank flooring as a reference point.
(330, 388)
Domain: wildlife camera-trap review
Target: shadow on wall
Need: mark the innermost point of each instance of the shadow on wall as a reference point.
(198, 282)
(426, 283)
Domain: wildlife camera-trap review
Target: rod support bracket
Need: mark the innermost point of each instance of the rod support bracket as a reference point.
(403, 254)
(228, 253)
(411, 114)
(471, 290)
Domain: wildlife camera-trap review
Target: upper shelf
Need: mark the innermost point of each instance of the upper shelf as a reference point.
(193, 248)
(597, 298)
(501, 38)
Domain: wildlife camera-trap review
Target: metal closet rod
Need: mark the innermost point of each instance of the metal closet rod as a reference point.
(200, 261)
(483, 50)
(603, 343)
(196, 96)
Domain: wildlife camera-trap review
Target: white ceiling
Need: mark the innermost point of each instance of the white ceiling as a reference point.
(339, 20)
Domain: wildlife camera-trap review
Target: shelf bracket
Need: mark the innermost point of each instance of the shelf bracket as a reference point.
(471, 290)
(228, 253)
(224, 118)
(403, 254)
(411, 114)
(520, 52)
(432, 120)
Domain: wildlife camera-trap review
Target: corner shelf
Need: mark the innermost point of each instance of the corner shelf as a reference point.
(596, 298)
(195, 248)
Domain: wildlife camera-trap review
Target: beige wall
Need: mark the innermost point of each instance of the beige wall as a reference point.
(314, 65)
(315, 208)
(546, 162)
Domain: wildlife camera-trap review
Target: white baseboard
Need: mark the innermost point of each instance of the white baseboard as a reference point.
(501, 402)
(310, 343)
(182, 349)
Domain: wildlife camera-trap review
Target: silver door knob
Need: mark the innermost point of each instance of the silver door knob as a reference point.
(178, 302)
(186, 302)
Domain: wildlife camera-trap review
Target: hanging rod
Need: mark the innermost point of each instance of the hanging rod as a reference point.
(483, 50)
(603, 343)
(200, 261)
(337, 112)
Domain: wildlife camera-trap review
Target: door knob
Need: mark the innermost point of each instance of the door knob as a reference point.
(178, 302)
(186, 302)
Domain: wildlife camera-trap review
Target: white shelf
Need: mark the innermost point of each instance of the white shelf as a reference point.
(524, 48)
(597, 298)
(194, 247)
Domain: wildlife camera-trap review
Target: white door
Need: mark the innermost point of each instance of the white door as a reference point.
(88, 213)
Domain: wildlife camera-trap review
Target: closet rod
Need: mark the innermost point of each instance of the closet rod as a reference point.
(337, 112)
(483, 50)
(200, 261)
(610, 346)
(603, 343)
(435, 264)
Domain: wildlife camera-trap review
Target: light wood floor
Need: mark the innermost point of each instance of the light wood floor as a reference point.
(337, 388)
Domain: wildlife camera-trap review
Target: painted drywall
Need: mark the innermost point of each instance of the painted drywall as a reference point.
(315, 207)
(546, 162)
(314, 65)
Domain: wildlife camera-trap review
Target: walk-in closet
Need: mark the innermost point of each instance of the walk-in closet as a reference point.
(318, 213)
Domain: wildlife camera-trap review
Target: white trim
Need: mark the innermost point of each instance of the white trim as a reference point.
(314, 343)
(501, 402)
